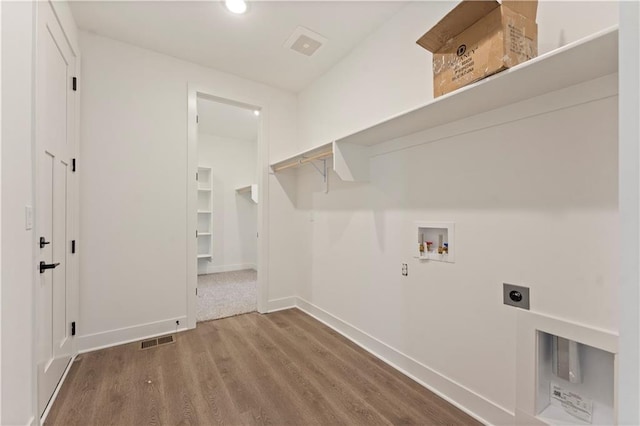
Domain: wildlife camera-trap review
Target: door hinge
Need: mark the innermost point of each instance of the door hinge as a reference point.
(74, 84)
(73, 328)
(196, 175)
(73, 165)
(73, 246)
(196, 291)
(197, 119)
(196, 233)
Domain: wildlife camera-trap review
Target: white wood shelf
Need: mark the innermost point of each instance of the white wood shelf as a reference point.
(204, 212)
(204, 234)
(204, 189)
(586, 59)
(204, 256)
(252, 190)
(578, 62)
(318, 153)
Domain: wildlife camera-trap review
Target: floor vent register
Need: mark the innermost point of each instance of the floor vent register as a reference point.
(157, 341)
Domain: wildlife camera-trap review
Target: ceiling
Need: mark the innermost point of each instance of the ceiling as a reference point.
(249, 45)
(216, 118)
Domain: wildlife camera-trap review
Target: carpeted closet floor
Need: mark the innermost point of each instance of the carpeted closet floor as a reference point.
(226, 294)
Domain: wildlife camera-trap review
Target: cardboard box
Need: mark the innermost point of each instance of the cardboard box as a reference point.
(479, 38)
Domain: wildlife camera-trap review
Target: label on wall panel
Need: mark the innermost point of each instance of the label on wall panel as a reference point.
(571, 402)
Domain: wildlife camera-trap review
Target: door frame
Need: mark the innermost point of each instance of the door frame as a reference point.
(63, 15)
(195, 91)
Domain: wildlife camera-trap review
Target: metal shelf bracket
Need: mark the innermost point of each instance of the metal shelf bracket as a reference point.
(323, 173)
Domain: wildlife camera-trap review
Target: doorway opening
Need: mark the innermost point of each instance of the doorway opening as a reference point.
(227, 211)
(227, 156)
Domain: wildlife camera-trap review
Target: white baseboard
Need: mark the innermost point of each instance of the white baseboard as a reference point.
(281, 304)
(32, 421)
(106, 339)
(214, 269)
(526, 419)
(92, 342)
(465, 399)
(55, 392)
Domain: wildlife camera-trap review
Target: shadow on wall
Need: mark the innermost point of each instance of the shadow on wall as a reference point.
(528, 164)
(288, 181)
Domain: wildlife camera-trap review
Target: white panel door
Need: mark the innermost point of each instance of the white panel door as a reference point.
(54, 148)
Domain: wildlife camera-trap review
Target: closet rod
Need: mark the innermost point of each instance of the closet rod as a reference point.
(304, 161)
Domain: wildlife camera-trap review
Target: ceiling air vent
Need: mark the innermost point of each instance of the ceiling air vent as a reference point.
(305, 41)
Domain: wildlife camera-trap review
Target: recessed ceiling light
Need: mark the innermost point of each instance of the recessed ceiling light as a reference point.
(256, 112)
(236, 6)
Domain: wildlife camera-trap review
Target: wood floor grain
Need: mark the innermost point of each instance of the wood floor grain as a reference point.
(275, 369)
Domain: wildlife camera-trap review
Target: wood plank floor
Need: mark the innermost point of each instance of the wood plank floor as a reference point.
(280, 368)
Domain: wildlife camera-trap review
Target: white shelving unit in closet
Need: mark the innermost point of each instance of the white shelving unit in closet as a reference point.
(205, 213)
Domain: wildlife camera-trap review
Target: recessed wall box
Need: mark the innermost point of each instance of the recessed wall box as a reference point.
(575, 382)
(442, 237)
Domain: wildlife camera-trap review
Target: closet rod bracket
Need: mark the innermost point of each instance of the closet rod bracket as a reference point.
(323, 173)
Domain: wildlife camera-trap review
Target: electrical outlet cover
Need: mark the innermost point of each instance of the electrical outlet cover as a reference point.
(515, 295)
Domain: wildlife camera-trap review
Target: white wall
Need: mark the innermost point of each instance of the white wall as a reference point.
(233, 163)
(133, 191)
(527, 210)
(0, 215)
(525, 213)
(629, 365)
(17, 243)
